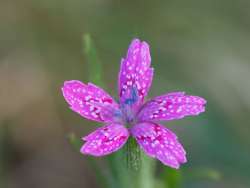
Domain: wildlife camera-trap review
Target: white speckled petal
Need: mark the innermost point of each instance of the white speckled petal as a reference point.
(90, 101)
(159, 142)
(135, 75)
(105, 140)
(172, 106)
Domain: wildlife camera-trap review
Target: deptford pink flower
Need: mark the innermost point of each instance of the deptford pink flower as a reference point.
(131, 116)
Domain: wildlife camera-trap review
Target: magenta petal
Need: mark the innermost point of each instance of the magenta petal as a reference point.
(135, 75)
(159, 142)
(171, 106)
(90, 101)
(105, 140)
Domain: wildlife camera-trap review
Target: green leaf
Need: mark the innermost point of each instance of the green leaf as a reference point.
(147, 172)
(94, 63)
(172, 178)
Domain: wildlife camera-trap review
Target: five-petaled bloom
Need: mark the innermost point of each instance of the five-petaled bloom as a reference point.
(131, 116)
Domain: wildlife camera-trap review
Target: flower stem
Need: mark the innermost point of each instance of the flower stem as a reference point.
(133, 155)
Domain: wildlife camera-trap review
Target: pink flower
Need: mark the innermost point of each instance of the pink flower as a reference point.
(131, 116)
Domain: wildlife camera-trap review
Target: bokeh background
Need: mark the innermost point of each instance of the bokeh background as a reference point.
(198, 46)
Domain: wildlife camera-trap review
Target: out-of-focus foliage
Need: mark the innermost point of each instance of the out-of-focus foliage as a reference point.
(94, 64)
(201, 47)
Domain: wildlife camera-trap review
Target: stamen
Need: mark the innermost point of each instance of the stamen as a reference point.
(128, 108)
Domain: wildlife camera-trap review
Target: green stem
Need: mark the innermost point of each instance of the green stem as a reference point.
(133, 155)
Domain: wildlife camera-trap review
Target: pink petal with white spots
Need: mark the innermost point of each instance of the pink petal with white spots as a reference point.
(172, 106)
(90, 101)
(105, 140)
(159, 142)
(135, 75)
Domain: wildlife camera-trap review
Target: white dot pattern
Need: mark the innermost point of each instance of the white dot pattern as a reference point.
(105, 140)
(135, 72)
(159, 142)
(172, 106)
(90, 101)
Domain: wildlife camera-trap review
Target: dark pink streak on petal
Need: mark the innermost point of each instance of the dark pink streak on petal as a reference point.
(159, 142)
(90, 101)
(135, 73)
(172, 106)
(105, 140)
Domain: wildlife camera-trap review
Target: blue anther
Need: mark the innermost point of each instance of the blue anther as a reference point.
(134, 97)
(117, 113)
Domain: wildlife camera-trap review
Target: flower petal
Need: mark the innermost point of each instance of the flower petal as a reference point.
(90, 101)
(159, 142)
(105, 140)
(171, 106)
(135, 75)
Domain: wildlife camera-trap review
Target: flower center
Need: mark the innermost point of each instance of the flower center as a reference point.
(128, 115)
(129, 107)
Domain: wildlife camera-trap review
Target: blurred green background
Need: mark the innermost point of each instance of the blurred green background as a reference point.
(197, 46)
